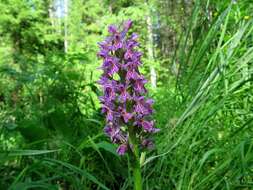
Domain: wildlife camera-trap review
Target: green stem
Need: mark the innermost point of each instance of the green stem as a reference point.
(137, 177)
(136, 160)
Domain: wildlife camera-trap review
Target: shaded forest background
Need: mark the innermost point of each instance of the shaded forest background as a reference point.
(198, 58)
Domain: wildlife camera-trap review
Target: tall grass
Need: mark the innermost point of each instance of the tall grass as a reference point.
(210, 145)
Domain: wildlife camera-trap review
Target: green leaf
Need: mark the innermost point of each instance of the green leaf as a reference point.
(75, 169)
(25, 152)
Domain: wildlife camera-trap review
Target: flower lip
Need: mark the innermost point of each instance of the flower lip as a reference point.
(112, 29)
(122, 149)
(128, 24)
(147, 143)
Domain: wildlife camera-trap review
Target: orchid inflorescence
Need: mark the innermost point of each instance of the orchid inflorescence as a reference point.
(123, 101)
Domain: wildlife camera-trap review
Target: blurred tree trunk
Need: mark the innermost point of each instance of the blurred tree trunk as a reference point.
(65, 26)
(150, 48)
(51, 15)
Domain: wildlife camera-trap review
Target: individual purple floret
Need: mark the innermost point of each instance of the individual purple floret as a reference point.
(123, 101)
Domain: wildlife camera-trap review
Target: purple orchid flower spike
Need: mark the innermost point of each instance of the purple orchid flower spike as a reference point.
(126, 109)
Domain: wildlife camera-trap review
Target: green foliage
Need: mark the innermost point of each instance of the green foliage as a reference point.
(51, 128)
